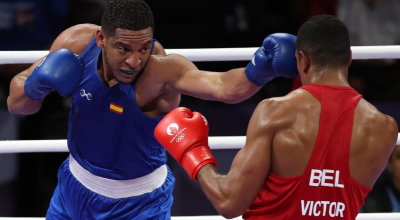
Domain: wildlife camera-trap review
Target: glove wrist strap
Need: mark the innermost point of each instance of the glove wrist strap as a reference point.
(255, 76)
(196, 158)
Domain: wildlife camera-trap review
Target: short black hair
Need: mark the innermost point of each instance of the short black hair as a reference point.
(325, 40)
(126, 14)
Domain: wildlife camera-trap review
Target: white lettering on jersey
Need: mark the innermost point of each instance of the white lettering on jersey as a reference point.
(324, 208)
(325, 177)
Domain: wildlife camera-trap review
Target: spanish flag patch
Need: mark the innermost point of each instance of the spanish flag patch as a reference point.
(116, 108)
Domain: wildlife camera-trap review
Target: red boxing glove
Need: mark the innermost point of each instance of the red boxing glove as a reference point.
(184, 134)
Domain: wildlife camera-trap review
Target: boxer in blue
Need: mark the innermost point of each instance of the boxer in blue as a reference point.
(122, 84)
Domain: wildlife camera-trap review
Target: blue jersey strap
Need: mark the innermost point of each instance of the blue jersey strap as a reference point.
(152, 45)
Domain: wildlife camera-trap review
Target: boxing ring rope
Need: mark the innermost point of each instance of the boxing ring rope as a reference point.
(195, 55)
(31, 146)
(216, 54)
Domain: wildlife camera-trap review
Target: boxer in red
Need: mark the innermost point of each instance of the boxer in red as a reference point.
(312, 154)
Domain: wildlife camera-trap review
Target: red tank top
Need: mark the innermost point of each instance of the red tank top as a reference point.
(325, 190)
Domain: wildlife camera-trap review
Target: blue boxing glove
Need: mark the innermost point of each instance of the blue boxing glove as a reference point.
(61, 71)
(273, 59)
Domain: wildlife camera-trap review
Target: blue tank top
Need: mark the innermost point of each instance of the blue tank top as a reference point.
(108, 134)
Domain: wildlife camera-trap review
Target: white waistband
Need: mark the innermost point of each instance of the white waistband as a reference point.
(118, 189)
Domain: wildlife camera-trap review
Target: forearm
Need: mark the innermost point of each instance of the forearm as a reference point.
(230, 194)
(220, 192)
(237, 87)
(18, 102)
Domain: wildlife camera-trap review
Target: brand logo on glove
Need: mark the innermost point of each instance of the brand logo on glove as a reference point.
(180, 137)
(172, 129)
(88, 95)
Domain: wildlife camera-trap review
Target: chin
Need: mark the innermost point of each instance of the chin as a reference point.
(123, 78)
(125, 81)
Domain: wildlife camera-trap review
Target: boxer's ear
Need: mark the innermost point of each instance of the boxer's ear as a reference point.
(303, 62)
(100, 38)
(351, 58)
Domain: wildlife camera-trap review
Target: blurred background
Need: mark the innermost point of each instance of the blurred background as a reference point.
(27, 180)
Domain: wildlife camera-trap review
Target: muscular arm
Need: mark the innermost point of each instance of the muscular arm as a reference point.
(233, 193)
(185, 78)
(18, 102)
(75, 39)
(229, 87)
(174, 74)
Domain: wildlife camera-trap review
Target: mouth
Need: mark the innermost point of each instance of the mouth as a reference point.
(128, 72)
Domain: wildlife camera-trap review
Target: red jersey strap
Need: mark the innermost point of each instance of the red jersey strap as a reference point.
(335, 127)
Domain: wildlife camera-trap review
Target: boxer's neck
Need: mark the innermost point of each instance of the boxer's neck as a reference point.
(326, 76)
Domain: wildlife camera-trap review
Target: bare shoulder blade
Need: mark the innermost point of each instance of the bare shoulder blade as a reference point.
(373, 140)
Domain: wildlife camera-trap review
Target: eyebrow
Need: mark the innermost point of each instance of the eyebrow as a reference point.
(127, 45)
(122, 44)
(148, 42)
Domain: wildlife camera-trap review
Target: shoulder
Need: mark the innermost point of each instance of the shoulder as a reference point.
(377, 119)
(381, 130)
(282, 112)
(295, 101)
(169, 67)
(158, 49)
(75, 38)
(175, 60)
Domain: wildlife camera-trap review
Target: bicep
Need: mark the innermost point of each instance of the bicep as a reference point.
(231, 86)
(183, 77)
(200, 84)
